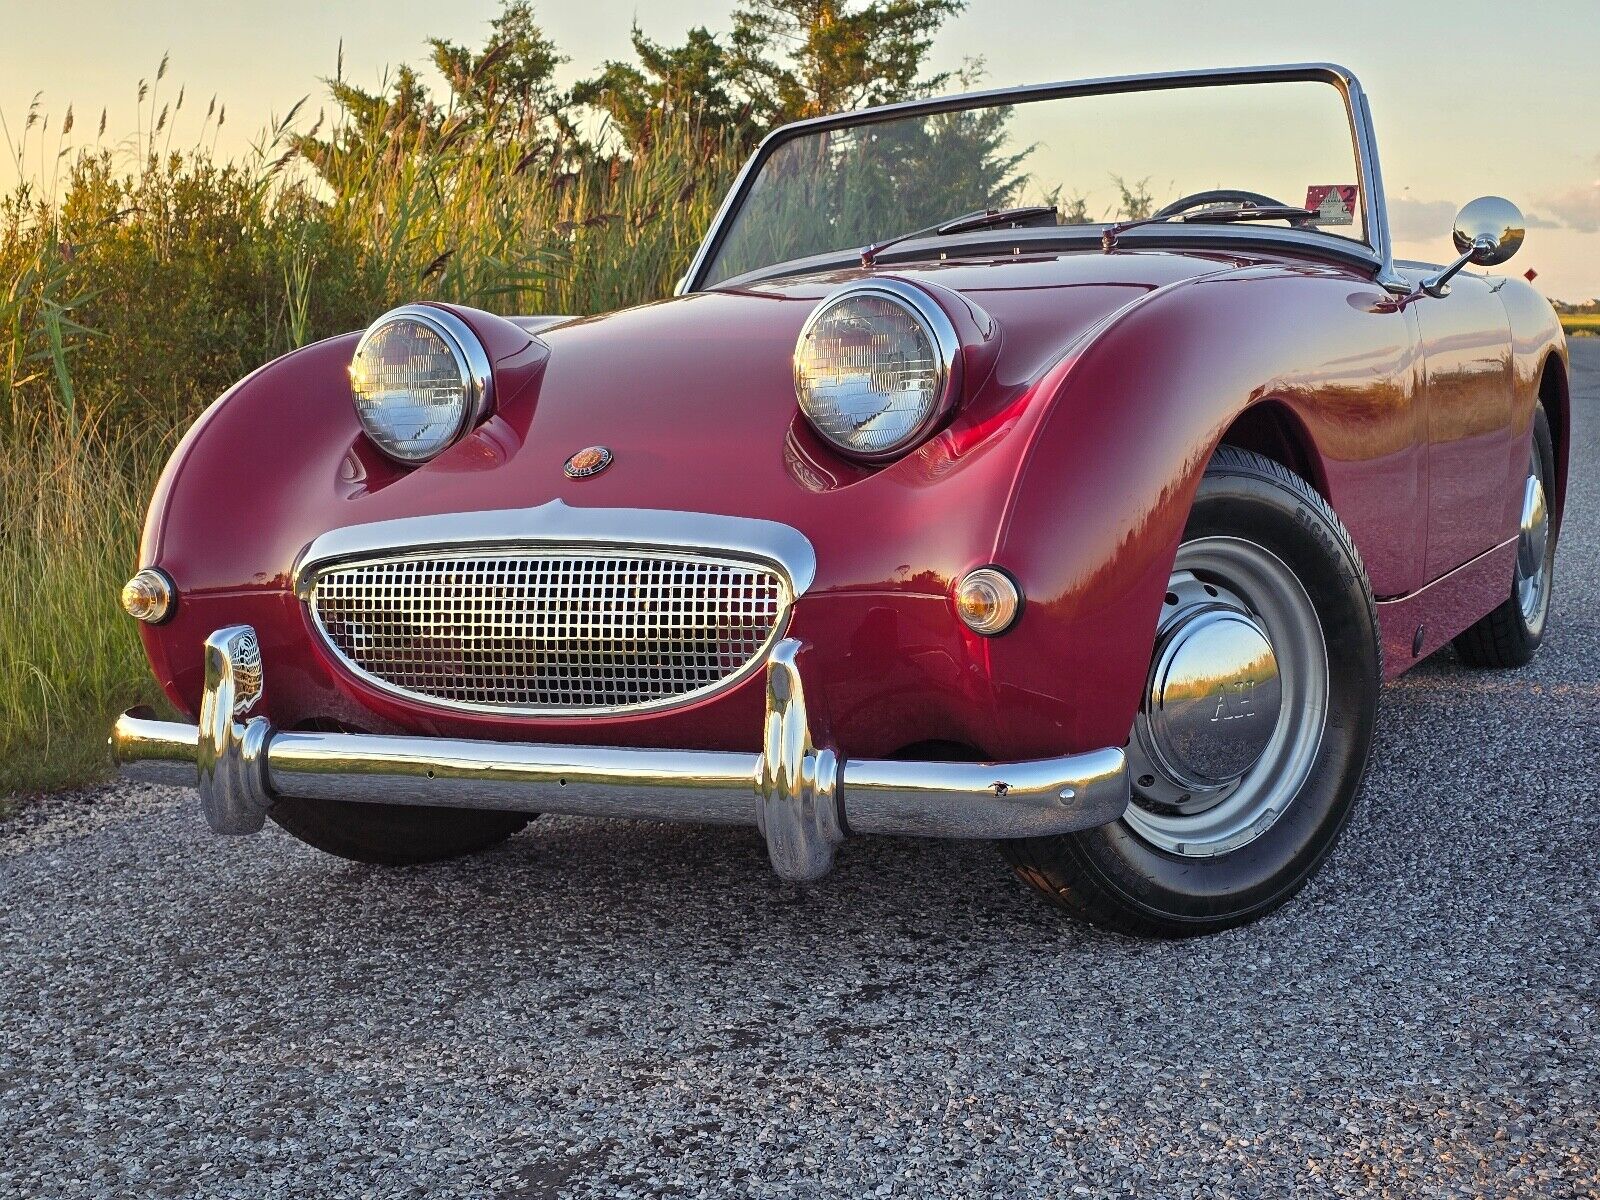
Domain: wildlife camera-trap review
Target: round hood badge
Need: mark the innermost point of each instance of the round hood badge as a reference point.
(591, 460)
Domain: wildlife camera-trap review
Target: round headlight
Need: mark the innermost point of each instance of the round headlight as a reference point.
(872, 368)
(420, 379)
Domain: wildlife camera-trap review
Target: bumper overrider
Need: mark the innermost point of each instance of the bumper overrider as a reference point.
(803, 797)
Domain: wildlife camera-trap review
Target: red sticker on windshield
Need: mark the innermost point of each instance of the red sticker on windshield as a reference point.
(1334, 203)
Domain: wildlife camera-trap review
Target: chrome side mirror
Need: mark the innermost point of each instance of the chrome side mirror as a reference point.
(1488, 231)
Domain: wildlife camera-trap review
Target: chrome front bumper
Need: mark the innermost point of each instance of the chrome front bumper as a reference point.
(802, 797)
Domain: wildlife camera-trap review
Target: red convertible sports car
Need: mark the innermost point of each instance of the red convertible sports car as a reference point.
(936, 503)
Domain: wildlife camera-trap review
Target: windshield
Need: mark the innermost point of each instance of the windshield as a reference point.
(1096, 158)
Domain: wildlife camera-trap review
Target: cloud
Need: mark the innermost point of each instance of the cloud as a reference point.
(1429, 220)
(1420, 220)
(1577, 207)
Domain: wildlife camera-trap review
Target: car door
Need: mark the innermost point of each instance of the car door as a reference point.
(1466, 347)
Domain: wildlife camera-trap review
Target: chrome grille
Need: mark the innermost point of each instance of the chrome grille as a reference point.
(550, 631)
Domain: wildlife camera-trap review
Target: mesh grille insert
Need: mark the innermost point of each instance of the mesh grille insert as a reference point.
(544, 631)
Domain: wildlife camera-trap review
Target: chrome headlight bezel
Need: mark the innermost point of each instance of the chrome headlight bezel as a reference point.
(472, 365)
(942, 337)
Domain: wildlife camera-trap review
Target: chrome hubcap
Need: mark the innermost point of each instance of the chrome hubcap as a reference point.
(1214, 693)
(1235, 702)
(1533, 539)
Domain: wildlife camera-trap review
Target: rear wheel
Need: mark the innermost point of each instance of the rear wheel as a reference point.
(1510, 635)
(393, 834)
(1250, 745)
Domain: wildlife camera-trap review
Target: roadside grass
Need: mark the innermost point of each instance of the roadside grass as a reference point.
(71, 506)
(1581, 324)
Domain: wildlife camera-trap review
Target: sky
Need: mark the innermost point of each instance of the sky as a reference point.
(1469, 97)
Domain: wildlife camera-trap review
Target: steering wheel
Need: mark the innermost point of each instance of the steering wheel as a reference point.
(1221, 196)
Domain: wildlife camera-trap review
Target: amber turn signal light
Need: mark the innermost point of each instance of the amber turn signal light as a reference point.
(149, 596)
(988, 601)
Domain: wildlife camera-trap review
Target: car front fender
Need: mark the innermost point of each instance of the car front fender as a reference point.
(1136, 414)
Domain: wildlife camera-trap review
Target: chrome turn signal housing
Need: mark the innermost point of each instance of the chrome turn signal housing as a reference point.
(988, 601)
(149, 596)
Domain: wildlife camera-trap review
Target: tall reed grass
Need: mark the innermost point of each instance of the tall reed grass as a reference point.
(141, 289)
(71, 505)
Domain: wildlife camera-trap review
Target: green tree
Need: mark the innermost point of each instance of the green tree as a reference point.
(507, 88)
(695, 79)
(783, 60)
(505, 93)
(804, 58)
(373, 126)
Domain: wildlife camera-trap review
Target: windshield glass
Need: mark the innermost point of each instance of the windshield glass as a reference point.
(1096, 158)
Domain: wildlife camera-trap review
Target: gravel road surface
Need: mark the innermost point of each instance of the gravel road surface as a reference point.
(625, 1010)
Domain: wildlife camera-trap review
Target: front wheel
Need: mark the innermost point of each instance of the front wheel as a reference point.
(393, 835)
(1256, 722)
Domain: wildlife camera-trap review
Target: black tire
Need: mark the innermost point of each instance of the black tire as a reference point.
(393, 835)
(1506, 637)
(1113, 876)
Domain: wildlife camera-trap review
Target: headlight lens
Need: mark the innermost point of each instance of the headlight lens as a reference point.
(872, 368)
(420, 379)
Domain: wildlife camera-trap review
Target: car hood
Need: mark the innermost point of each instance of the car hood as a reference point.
(694, 398)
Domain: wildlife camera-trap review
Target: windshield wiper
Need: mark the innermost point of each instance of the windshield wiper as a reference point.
(984, 218)
(1213, 216)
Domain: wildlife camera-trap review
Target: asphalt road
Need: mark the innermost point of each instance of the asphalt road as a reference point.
(625, 1010)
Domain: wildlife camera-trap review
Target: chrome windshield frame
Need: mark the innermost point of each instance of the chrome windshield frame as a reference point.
(1374, 211)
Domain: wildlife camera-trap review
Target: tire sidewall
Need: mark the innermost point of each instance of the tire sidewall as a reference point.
(1238, 500)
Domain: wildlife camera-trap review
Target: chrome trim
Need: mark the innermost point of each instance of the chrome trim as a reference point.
(803, 797)
(1374, 206)
(552, 527)
(1037, 798)
(557, 524)
(784, 609)
(942, 334)
(477, 375)
(1213, 695)
(155, 751)
(1211, 779)
(1487, 232)
(799, 807)
(230, 758)
(1535, 551)
(1375, 215)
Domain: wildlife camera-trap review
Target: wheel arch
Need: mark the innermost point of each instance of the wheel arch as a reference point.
(1272, 429)
(1554, 394)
